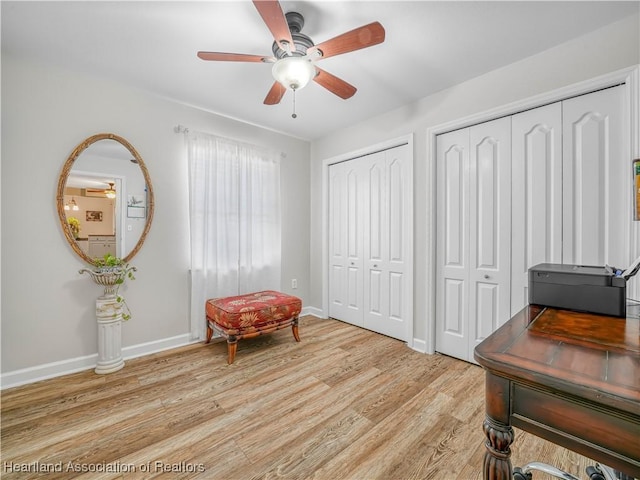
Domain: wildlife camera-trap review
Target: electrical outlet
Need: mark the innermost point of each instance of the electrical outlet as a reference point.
(294, 283)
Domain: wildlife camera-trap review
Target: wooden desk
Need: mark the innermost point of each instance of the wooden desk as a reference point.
(570, 378)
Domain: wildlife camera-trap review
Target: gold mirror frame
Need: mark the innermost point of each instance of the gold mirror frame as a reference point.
(62, 181)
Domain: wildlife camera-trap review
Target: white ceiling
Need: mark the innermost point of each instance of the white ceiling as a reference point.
(429, 46)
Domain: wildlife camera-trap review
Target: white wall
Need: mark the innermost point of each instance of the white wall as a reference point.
(48, 309)
(609, 49)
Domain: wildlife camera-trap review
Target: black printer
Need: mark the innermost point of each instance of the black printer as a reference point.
(590, 289)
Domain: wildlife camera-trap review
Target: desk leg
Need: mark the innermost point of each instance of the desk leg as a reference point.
(497, 458)
(497, 462)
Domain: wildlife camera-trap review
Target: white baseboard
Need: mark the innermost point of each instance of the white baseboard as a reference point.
(78, 364)
(419, 345)
(316, 312)
(155, 346)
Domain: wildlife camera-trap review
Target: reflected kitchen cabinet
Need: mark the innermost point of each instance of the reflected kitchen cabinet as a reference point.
(100, 245)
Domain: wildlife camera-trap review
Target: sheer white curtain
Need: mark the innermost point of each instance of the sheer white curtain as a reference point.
(234, 203)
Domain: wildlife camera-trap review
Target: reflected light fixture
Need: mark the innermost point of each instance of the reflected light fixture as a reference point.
(71, 205)
(294, 72)
(110, 192)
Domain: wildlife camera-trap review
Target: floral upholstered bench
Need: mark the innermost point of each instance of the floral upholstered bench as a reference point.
(247, 316)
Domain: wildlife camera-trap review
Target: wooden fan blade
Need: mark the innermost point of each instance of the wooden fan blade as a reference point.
(234, 57)
(334, 84)
(273, 16)
(362, 37)
(275, 94)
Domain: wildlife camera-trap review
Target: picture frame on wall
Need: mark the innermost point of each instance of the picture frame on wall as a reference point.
(136, 212)
(136, 206)
(93, 216)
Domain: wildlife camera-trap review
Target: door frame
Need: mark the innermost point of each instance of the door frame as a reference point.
(630, 76)
(378, 147)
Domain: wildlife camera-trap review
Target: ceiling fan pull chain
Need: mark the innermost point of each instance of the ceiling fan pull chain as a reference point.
(293, 115)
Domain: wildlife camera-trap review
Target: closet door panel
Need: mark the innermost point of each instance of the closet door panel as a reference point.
(596, 204)
(374, 293)
(397, 209)
(489, 228)
(453, 314)
(375, 214)
(354, 226)
(536, 217)
(487, 308)
(375, 226)
(452, 237)
(455, 183)
(354, 215)
(345, 243)
(374, 303)
(337, 244)
(389, 194)
(397, 245)
(484, 204)
(397, 297)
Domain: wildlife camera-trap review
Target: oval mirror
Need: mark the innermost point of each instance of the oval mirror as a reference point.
(105, 198)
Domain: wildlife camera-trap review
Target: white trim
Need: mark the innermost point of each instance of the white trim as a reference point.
(78, 364)
(419, 345)
(156, 346)
(630, 76)
(385, 145)
(119, 209)
(316, 312)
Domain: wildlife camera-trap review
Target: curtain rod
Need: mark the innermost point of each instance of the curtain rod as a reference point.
(182, 129)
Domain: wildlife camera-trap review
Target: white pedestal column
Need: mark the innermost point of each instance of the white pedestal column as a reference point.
(109, 316)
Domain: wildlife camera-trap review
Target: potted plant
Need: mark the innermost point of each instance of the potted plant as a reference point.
(74, 226)
(111, 272)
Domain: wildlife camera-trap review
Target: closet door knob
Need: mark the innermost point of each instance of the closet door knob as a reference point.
(375, 266)
(487, 277)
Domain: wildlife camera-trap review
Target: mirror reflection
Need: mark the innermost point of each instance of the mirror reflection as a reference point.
(105, 200)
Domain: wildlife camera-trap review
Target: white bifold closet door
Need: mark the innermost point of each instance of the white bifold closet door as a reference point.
(566, 190)
(537, 195)
(570, 186)
(473, 235)
(596, 195)
(345, 242)
(370, 229)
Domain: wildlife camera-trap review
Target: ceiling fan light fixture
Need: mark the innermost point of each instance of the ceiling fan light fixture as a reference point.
(294, 72)
(71, 205)
(110, 192)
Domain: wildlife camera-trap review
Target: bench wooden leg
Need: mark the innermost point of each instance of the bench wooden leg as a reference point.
(232, 347)
(209, 332)
(294, 328)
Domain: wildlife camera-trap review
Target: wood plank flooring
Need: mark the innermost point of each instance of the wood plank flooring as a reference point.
(344, 403)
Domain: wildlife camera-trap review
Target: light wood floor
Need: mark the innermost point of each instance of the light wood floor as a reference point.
(344, 403)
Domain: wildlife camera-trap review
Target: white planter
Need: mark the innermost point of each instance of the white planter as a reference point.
(109, 317)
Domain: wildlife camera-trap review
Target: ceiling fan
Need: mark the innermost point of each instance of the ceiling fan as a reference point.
(295, 55)
(109, 192)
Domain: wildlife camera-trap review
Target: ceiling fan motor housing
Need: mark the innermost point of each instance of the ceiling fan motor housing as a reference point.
(301, 41)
